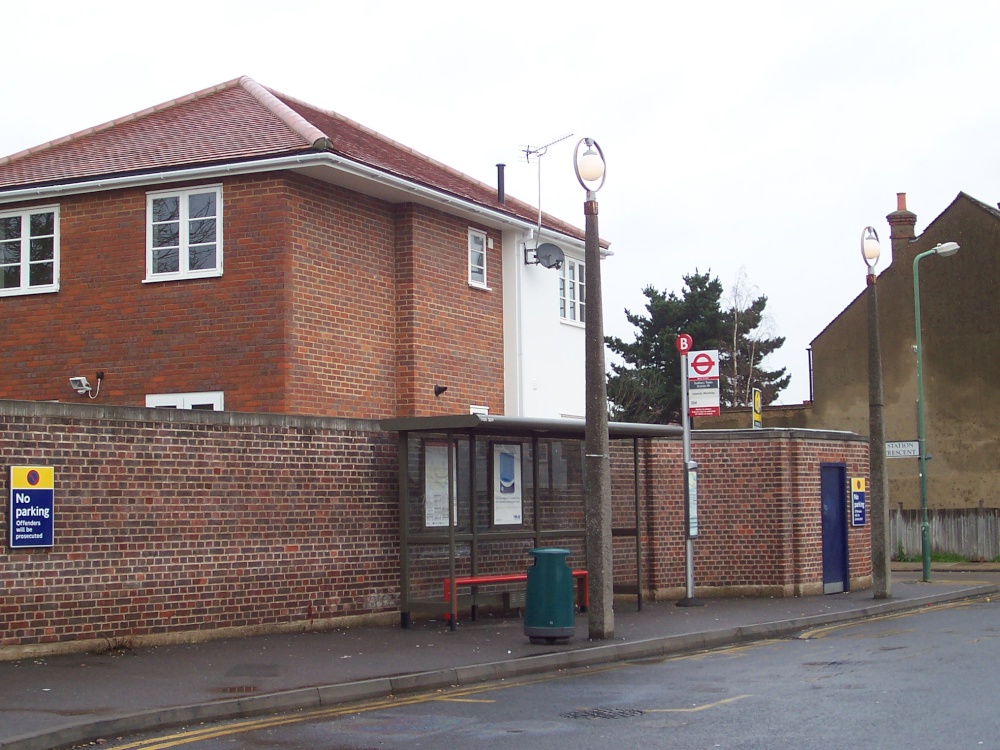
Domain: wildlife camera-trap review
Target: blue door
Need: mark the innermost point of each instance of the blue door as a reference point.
(833, 492)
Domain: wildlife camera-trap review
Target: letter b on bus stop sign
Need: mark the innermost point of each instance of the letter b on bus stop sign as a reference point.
(684, 343)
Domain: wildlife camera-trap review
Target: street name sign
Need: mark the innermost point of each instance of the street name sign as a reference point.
(902, 449)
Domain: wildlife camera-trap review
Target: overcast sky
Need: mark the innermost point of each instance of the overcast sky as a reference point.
(740, 137)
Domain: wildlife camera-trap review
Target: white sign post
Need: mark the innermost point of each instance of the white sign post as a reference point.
(684, 343)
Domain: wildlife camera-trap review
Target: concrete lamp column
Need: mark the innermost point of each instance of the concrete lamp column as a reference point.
(879, 490)
(590, 171)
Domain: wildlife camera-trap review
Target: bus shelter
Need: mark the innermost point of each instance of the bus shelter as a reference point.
(478, 492)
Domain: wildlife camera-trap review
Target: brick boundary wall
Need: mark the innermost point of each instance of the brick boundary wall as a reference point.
(179, 526)
(197, 524)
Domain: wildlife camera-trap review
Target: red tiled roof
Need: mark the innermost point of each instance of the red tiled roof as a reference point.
(239, 120)
(219, 124)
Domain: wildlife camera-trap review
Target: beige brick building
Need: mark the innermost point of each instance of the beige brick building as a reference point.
(960, 317)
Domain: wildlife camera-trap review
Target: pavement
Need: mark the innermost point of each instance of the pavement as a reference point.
(49, 702)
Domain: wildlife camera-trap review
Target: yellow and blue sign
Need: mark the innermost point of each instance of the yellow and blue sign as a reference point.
(32, 506)
(858, 501)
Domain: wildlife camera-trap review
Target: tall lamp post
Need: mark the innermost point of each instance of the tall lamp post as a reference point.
(879, 491)
(943, 249)
(590, 171)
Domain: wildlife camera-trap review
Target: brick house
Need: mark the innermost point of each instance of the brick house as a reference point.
(237, 248)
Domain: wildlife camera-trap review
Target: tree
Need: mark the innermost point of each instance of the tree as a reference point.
(646, 386)
(747, 344)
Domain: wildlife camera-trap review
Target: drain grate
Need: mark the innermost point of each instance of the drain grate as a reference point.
(237, 689)
(602, 713)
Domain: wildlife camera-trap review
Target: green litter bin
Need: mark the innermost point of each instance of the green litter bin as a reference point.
(548, 600)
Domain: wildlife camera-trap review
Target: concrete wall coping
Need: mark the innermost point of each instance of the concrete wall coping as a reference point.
(780, 433)
(60, 409)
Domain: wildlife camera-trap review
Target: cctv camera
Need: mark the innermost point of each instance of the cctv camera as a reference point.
(80, 385)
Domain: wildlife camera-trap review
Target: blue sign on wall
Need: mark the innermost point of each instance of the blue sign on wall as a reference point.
(32, 506)
(857, 501)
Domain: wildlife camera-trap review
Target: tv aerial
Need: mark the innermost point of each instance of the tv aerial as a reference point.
(546, 254)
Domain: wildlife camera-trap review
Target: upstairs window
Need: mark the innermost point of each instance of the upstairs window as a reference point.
(572, 291)
(184, 234)
(29, 251)
(477, 258)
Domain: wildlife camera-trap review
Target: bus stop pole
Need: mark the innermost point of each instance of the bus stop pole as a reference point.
(684, 344)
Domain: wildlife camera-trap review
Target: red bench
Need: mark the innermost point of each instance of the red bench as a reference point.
(582, 594)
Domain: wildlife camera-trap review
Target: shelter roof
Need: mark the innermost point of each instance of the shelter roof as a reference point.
(498, 426)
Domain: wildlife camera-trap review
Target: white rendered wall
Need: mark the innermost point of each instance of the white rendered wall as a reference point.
(543, 356)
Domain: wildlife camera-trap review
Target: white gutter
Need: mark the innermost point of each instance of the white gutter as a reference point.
(303, 161)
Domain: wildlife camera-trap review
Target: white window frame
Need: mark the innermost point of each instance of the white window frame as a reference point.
(479, 409)
(573, 292)
(184, 220)
(475, 268)
(195, 400)
(25, 263)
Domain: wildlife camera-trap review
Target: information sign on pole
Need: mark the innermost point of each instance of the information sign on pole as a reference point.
(32, 506)
(691, 492)
(858, 501)
(703, 383)
(758, 422)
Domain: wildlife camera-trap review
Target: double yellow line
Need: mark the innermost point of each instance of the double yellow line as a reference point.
(455, 695)
(815, 633)
(188, 736)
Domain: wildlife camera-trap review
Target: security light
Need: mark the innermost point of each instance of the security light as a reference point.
(80, 385)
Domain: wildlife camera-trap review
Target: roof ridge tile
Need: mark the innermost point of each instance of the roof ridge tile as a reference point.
(271, 101)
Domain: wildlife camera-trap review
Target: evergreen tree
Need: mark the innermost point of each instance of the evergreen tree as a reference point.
(646, 386)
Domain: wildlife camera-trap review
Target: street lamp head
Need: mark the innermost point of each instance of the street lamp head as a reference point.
(590, 165)
(945, 249)
(870, 248)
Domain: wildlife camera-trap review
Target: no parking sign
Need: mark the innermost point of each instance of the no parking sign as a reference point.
(857, 501)
(32, 506)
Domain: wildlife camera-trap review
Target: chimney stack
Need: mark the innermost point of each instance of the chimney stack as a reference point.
(501, 198)
(901, 226)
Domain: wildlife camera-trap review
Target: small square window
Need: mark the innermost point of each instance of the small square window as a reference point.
(184, 234)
